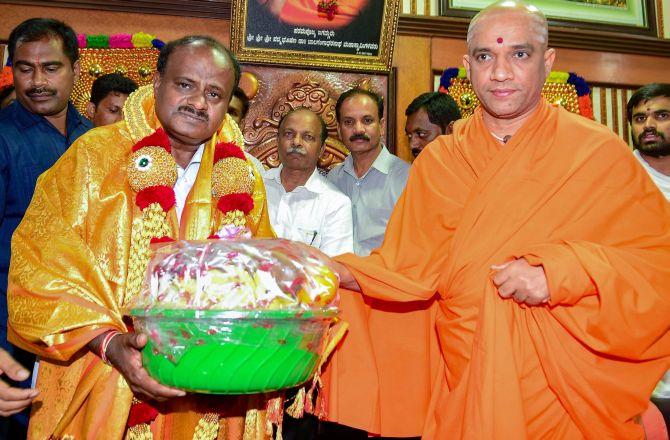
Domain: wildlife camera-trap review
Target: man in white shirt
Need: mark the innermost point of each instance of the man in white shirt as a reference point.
(303, 205)
(649, 117)
(372, 177)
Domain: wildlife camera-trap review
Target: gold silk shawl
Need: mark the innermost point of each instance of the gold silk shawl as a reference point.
(68, 274)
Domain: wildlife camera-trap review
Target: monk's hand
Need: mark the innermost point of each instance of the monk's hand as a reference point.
(347, 280)
(522, 282)
(125, 354)
(13, 400)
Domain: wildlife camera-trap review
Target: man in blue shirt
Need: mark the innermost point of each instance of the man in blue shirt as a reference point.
(35, 131)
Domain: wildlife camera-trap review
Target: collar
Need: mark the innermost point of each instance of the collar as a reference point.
(196, 159)
(382, 163)
(314, 184)
(25, 118)
(648, 166)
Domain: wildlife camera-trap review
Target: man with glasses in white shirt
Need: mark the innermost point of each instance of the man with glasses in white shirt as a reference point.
(303, 205)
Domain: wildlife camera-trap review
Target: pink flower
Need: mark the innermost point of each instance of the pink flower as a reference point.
(121, 41)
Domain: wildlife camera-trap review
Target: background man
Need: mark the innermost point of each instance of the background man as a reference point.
(373, 178)
(303, 205)
(649, 117)
(370, 176)
(68, 298)
(429, 115)
(549, 249)
(35, 130)
(108, 94)
(239, 106)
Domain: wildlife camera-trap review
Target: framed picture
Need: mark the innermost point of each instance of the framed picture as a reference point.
(333, 34)
(629, 16)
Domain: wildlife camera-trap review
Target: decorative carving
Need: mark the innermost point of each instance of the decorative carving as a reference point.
(136, 63)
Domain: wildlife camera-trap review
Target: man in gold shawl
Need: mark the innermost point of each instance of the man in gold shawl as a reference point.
(81, 252)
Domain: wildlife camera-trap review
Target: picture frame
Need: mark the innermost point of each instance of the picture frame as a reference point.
(627, 16)
(359, 38)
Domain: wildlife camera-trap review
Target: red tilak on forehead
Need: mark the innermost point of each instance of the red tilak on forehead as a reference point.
(499, 40)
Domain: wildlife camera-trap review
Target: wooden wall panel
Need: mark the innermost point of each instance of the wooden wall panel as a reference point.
(596, 67)
(89, 21)
(609, 108)
(412, 59)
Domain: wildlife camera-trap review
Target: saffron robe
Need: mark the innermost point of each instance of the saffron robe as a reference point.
(67, 284)
(566, 194)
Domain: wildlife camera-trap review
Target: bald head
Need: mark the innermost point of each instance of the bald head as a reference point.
(507, 8)
(508, 60)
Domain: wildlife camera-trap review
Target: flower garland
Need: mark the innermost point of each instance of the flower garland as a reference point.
(152, 173)
(327, 9)
(454, 74)
(119, 41)
(6, 77)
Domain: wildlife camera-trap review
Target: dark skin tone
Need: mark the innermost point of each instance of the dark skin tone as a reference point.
(43, 78)
(13, 400)
(192, 99)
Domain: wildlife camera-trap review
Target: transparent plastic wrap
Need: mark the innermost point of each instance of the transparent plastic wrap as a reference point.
(238, 275)
(235, 317)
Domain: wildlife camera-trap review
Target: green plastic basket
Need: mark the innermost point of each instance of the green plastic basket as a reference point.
(232, 352)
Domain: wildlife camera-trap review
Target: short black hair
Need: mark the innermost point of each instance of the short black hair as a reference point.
(324, 127)
(441, 108)
(166, 51)
(377, 98)
(646, 93)
(35, 29)
(112, 82)
(239, 93)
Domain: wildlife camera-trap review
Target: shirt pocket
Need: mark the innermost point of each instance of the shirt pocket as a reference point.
(308, 235)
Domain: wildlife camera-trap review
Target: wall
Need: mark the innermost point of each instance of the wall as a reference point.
(87, 21)
(432, 8)
(614, 73)
(415, 57)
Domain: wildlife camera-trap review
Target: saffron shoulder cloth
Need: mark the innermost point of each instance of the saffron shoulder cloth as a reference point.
(567, 194)
(68, 276)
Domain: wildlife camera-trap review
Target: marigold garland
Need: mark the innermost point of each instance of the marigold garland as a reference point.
(152, 174)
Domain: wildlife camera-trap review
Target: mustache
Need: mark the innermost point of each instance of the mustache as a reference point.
(295, 149)
(359, 137)
(650, 131)
(40, 91)
(200, 114)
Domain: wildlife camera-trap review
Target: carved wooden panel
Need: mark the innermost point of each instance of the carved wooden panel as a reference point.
(280, 89)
